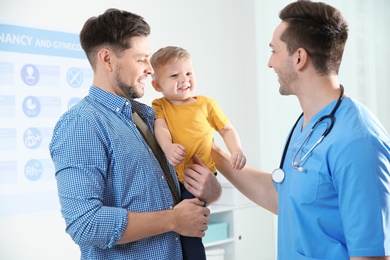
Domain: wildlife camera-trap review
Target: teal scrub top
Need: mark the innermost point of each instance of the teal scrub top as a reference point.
(339, 206)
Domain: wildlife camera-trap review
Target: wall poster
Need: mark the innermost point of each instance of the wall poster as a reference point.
(42, 74)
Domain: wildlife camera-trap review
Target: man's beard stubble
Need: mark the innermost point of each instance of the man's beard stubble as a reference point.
(129, 92)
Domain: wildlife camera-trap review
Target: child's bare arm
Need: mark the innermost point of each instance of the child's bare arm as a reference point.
(175, 152)
(233, 143)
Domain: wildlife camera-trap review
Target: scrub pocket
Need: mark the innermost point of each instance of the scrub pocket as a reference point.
(304, 185)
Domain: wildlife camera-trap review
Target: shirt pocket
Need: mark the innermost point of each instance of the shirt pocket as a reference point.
(305, 184)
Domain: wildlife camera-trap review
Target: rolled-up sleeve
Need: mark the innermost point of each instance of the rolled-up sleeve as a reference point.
(81, 163)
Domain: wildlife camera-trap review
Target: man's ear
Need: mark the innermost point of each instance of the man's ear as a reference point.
(105, 58)
(301, 58)
(156, 86)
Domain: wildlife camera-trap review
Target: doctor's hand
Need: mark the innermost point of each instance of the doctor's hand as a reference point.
(201, 182)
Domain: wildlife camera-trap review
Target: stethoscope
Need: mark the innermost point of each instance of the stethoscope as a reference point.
(278, 174)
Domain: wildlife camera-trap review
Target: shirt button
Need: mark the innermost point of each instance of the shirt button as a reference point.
(171, 207)
(162, 177)
(177, 238)
(117, 109)
(127, 103)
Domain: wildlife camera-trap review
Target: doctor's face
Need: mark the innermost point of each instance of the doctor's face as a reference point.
(282, 62)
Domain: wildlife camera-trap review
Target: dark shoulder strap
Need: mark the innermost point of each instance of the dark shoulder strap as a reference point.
(151, 140)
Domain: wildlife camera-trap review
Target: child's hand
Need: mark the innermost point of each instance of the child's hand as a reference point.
(175, 154)
(237, 161)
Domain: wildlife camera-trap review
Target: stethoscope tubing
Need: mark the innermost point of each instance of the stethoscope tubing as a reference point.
(278, 174)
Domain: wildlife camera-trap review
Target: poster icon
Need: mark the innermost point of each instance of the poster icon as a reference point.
(74, 77)
(31, 106)
(32, 138)
(30, 74)
(33, 170)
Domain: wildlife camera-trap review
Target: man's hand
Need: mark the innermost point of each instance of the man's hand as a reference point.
(202, 183)
(192, 218)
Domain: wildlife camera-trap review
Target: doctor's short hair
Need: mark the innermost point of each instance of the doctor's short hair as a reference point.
(166, 55)
(318, 28)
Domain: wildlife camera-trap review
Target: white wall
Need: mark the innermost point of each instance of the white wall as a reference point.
(228, 40)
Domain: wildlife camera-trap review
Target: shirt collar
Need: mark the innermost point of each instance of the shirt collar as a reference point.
(109, 100)
(118, 104)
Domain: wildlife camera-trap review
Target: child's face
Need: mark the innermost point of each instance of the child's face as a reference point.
(177, 80)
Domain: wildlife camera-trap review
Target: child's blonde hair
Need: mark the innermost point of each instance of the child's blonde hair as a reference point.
(167, 54)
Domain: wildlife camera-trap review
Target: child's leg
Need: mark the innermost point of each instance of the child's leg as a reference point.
(192, 247)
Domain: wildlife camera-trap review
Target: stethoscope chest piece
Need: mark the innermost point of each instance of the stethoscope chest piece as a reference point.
(278, 175)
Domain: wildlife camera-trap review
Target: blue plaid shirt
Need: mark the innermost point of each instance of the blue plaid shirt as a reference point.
(104, 168)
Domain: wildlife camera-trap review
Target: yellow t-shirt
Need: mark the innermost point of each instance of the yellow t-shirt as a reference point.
(192, 126)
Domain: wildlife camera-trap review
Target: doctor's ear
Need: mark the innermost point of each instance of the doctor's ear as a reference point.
(156, 86)
(301, 57)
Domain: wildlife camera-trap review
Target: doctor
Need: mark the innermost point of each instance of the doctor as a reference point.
(331, 191)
